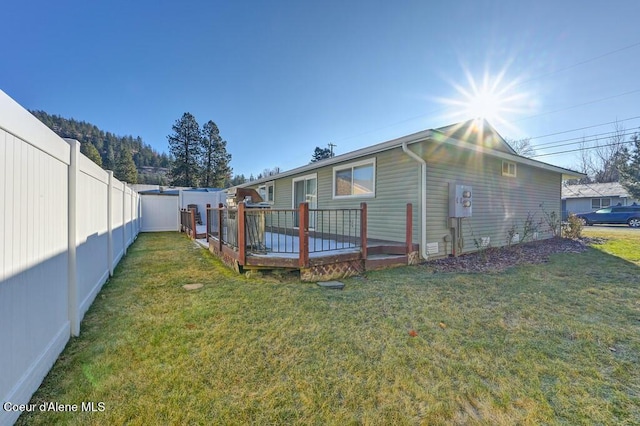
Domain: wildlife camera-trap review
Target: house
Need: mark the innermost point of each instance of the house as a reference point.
(593, 196)
(506, 196)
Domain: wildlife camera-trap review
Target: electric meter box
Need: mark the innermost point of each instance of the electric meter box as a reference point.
(460, 200)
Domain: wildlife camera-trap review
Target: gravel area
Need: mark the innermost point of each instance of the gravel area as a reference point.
(500, 258)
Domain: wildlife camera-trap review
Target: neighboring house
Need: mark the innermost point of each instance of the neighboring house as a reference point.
(505, 188)
(594, 196)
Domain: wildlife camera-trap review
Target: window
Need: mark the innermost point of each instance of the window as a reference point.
(267, 192)
(598, 203)
(355, 179)
(508, 169)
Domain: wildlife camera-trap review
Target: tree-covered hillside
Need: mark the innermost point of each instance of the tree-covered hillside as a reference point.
(112, 152)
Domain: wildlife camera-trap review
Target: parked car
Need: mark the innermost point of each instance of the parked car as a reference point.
(615, 214)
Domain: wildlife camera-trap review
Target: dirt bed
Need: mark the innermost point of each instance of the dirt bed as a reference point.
(499, 259)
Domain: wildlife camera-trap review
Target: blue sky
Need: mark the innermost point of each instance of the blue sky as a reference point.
(282, 77)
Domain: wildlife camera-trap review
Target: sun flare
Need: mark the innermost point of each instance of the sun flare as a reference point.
(492, 98)
(485, 105)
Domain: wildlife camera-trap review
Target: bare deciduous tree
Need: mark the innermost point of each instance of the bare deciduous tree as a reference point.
(601, 161)
(522, 147)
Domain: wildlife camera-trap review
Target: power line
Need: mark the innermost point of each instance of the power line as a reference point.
(590, 138)
(578, 105)
(518, 84)
(584, 128)
(586, 61)
(581, 149)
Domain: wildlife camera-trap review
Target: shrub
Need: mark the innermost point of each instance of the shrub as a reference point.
(572, 228)
(552, 220)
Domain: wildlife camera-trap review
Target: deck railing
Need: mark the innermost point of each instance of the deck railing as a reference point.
(301, 231)
(188, 222)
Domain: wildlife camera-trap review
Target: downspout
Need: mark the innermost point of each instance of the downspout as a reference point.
(423, 194)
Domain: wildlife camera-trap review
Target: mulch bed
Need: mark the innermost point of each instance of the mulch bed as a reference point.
(500, 258)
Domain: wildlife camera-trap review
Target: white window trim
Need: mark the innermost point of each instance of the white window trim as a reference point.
(515, 168)
(371, 161)
(266, 186)
(600, 203)
(293, 186)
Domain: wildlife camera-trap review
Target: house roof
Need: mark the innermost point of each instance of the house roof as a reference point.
(203, 190)
(477, 133)
(169, 192)
(594, 190)
(474, 135)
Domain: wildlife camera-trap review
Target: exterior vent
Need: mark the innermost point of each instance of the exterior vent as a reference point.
(433, 248)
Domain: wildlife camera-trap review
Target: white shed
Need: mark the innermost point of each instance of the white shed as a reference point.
(160, 211)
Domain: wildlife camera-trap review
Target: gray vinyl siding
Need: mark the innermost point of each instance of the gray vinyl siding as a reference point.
(397, 183)
(499, 202)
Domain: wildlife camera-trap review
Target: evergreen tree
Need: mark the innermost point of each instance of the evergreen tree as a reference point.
(109, 160)
(215, 160)
(91, 153)
(630, 171)
(321, 154)
(164, 161)
(185, 147)
(238, 180)
(125, 169)
(108, 144)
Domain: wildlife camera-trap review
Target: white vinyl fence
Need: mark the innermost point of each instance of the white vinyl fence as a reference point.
(64, 225)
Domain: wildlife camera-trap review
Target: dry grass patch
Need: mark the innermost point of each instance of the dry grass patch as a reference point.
(552, 343)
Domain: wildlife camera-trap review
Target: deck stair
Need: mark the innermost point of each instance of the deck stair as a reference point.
(385, 256)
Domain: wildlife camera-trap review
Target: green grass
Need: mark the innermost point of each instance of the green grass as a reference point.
(554, 344)
(620, 241)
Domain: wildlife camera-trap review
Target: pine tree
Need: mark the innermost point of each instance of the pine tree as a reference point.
(91, 152)
(109, 159)
(125, 169)
(630, 171)
(215, 160)
(238, 180)
(185, 147)
(321, 154)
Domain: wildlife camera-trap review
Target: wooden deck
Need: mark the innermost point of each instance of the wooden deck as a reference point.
(316, 254)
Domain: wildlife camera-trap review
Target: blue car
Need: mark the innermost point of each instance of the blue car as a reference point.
(613, 215)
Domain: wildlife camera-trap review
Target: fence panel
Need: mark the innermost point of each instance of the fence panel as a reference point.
(55, 216)
(92, 236)
(33, 250)
(117, 221)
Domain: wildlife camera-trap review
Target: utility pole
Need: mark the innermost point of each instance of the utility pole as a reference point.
(331, 145)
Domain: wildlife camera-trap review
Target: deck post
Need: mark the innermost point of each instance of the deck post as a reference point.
(206, 212)
(303, 215)
(409, 234)
(220, 213)
(194, 231)
(363, 229)
(242, 245)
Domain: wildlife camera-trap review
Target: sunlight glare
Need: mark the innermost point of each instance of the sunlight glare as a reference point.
(491, 98)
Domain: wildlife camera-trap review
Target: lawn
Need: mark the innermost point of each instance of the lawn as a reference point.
(557, 343)
(620, 241)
